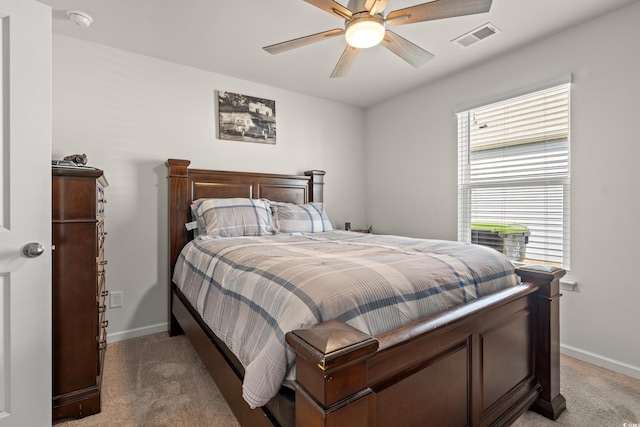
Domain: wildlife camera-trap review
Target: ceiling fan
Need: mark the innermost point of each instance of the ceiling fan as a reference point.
(365, 26)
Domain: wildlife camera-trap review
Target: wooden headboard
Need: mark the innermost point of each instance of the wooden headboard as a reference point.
(187, 185)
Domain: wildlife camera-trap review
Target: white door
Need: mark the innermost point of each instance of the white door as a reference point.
(25, 213)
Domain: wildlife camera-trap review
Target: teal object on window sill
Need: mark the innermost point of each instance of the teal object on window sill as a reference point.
(509, 239)
(501, 229)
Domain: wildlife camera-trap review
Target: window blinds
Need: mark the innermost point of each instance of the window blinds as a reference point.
(514, 168)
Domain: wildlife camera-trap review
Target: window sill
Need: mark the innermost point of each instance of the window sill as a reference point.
(568, 284)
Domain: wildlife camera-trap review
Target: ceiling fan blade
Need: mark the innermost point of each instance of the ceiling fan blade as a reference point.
(345, 62)
(413, 54)
(437, 9)
(375, 6)
(332, 7)
(302, 41)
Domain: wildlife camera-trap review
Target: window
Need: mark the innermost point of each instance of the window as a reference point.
(513, 168)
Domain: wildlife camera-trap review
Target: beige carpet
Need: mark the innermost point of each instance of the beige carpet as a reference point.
(159, 381)
(596, 397)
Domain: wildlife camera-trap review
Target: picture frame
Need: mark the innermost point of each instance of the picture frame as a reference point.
(246, 118)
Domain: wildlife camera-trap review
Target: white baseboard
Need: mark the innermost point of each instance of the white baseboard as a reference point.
(598, 360)
(139, 332)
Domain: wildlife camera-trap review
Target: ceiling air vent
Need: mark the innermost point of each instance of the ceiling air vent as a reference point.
(476, 35)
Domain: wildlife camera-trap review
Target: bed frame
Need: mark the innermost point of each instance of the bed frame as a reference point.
(484, 363)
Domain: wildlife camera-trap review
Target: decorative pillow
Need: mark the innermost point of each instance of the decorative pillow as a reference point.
(233, 217)
(309, 218)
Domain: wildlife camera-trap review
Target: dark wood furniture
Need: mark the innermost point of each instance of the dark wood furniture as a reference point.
(79, 335)
(483, 363)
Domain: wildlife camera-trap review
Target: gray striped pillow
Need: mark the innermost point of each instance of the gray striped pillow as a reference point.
(307, 218)
(233, 217)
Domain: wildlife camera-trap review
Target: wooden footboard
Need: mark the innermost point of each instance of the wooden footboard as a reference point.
(484, 363)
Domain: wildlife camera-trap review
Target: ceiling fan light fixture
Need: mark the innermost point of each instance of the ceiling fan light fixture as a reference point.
(365, 32)
(365, 26)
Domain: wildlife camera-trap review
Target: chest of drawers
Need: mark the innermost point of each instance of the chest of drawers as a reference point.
(79, 290)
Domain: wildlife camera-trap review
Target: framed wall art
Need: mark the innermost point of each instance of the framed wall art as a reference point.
(246, 118)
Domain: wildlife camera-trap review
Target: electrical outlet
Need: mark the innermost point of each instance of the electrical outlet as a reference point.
(115, 299)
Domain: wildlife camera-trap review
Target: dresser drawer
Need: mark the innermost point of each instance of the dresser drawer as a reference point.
(75, 197)
(100, 238)
(101, 265)
(101, 201)
(101, 341)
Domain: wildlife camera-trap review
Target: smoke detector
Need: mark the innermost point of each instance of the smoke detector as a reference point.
(80, 18)
(476, 35)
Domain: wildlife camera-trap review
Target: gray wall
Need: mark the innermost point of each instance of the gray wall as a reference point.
(412, 171)
(129, 113)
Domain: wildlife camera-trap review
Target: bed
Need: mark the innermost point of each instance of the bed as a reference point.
(483, 362)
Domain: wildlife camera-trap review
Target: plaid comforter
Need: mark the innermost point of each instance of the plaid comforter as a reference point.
(252, 290)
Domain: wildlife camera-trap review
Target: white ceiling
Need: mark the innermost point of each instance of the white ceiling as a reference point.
(227, 36)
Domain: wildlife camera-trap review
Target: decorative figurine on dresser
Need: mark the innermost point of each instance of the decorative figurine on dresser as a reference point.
(78, 280)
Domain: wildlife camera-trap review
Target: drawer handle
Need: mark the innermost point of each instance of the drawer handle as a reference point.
(105, 324)
(105, 293)
(102, 308)
(103, 262)
(102, 345)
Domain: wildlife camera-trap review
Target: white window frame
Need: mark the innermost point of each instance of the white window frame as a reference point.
(466, 184)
